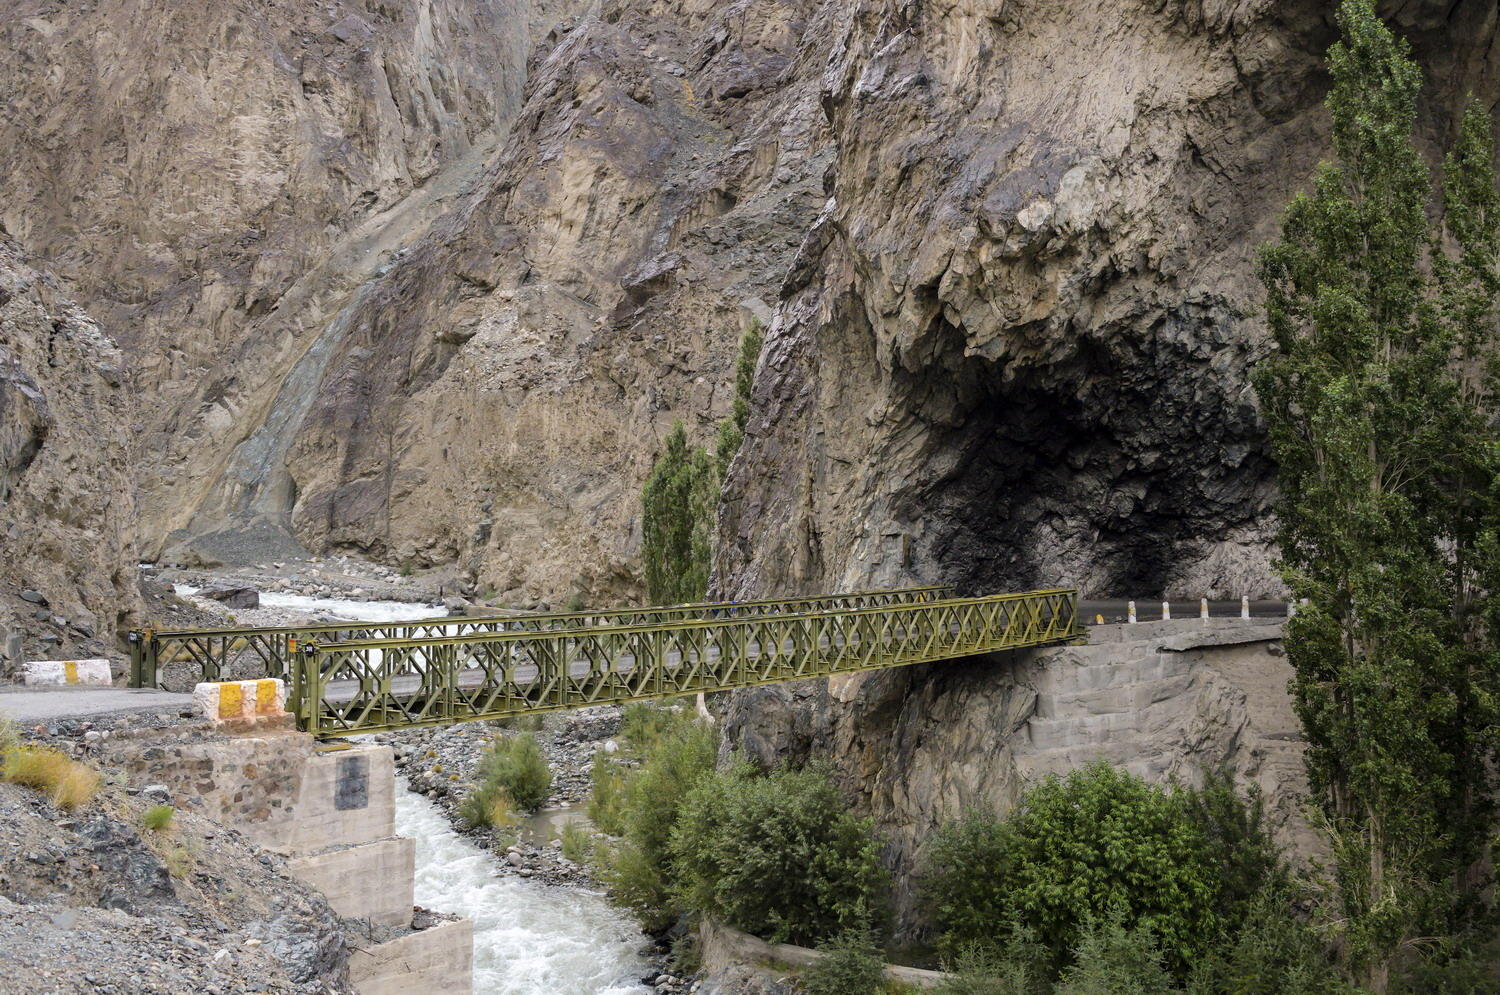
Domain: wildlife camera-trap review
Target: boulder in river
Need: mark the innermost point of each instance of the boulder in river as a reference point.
(233, 595)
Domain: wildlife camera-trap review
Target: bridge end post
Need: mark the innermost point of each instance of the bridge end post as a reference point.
(137, 660)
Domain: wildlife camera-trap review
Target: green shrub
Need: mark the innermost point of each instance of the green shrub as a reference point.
(851, 966)
(606, 805)
(1456, 966)
(644, 725)
(1013, 965)
(513, 769)
(780, 855)
(1238, 841)
(488, 806)
(1271, 950)
(1097, 842)
(157, 818)
(1114, 959)
(638, 869)
(577, 844)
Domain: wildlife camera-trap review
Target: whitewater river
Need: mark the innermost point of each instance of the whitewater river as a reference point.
(529, 938)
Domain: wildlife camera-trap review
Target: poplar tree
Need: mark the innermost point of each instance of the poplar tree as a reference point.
(1378, 407)
(677, 511)
(732, 429)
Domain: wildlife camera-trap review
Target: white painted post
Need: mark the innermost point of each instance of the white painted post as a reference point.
(1244, 606)
(1130, 612)
(1291, 608)
(1166, 611)
(1203, 609)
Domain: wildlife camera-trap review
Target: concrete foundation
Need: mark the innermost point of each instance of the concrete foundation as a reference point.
(439, 959)
(365, 881)
(333, 814)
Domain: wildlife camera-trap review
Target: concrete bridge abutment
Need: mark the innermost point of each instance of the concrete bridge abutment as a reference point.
(331, 812)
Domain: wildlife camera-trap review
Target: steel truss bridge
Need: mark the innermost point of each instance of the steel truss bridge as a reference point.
(351, 678)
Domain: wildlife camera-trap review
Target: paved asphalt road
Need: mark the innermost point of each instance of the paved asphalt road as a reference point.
(30, 705)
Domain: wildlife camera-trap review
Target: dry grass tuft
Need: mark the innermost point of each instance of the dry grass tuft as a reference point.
(66, 781)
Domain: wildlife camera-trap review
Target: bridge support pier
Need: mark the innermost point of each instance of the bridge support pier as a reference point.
(332, 814)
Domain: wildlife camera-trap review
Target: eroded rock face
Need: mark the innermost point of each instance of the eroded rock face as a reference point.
(1014, 348)
(66, 464)
(497, 397)
(216, 180)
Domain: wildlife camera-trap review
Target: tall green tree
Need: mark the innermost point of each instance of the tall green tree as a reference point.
(732, 429)
(677, 508)
(1379, 418)
(682, 493)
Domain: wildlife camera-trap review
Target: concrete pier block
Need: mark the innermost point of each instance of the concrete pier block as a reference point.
(439, 959)
(366, 881)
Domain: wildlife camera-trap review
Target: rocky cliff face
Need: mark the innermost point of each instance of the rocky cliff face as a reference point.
(215, 181)
(1013, 348)
(499, 395)
(66, 466)
(429, 281)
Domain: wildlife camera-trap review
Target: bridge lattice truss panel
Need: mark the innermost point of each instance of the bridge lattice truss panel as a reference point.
(355, 679)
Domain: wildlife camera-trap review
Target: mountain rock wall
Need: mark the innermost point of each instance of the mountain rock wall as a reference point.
(67, 530)
(1014, 347)
(214, 181)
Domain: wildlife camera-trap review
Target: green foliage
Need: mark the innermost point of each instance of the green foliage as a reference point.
(1378, 402)
(607, 794)
(157, 818)
(1239, 843)
(851, 966)
(638, 871)
(513, 770)
(1115, 959)
(645, 724)
(1180, 865)
(1018, 965)
(732, 429)
(577, 844)
(677, 509)
(1271, 951)
(779, 855)
(1458, 966)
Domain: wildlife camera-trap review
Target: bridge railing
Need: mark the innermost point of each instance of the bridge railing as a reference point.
(358, 686)
(269, 651)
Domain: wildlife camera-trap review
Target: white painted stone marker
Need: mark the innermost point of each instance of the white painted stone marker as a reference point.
(1130, 612)
(1244, 606)
(1203, 609)
(60, 673)
(1166, 611)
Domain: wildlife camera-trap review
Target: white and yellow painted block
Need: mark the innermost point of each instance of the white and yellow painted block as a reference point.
(59, 673)
(224, 700)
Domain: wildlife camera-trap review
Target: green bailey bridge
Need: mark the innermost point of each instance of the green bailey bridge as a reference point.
(351, 678)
